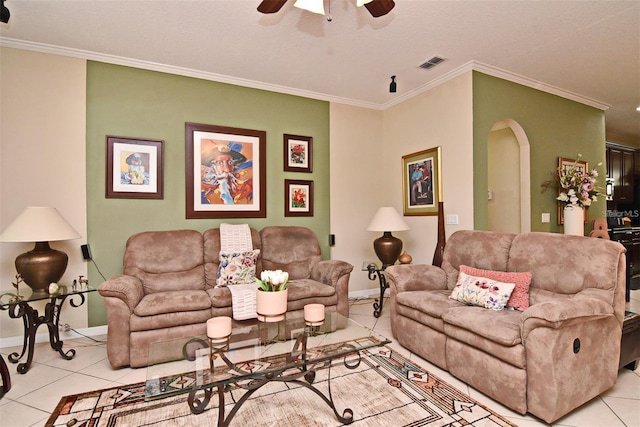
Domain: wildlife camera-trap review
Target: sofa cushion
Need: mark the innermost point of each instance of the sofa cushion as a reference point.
(482, 292)
(433, 303)
(237, 267)
(292, 249)
(502, 327)
(165, 260)
(306, 288)
(172, 302)
(520, 296)
(488, 250)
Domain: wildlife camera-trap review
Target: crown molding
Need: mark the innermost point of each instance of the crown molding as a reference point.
(221, 78)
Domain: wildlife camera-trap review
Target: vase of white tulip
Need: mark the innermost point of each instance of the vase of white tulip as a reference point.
(271, 297)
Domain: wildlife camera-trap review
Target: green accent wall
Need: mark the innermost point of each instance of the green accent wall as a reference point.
(130, 102)
(555, 126)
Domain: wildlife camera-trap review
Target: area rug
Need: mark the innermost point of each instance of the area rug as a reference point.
(384, 390)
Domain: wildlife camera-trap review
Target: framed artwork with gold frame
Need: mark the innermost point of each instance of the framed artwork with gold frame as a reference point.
(421, 182)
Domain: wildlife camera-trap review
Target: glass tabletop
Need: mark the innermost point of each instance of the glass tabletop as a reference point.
(255, 351)
(29, 295)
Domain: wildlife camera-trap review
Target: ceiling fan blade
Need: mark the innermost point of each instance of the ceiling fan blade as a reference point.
(379, 8)
(271, 6)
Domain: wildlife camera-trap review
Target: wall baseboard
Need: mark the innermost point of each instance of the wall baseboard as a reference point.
(102, 330)
(44, 337)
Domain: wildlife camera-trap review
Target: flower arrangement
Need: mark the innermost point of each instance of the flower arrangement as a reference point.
(576, 185)
(273, 280)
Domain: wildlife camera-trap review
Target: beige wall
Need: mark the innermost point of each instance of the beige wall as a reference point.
(42, 158)
(442, 116)
(366, 170)
(357, 175)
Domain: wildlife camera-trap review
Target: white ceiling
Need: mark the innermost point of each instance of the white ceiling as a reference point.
(589, 48)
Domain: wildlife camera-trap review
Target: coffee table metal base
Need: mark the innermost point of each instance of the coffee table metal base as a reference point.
(308, 372)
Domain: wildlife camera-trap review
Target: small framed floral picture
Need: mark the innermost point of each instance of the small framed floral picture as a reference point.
(571, 166)
(298, 153)
(298, 196)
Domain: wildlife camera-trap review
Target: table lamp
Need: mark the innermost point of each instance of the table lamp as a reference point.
(387, 247)
(42, 265)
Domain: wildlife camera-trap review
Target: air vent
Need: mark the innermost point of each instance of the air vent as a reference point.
(431, 63)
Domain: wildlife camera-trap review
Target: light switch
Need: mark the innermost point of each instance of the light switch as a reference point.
(452, 219)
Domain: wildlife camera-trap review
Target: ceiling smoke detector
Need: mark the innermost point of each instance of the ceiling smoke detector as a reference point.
(431, 62)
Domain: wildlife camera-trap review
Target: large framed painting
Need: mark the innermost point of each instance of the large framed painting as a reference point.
(225, 172)
(421, 182)
(134, 168)
(298, 198)
(298, 153)
(581, 166)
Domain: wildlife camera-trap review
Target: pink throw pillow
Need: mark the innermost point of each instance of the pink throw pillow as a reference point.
(519, 297)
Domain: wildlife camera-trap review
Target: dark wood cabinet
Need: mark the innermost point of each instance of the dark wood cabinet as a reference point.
(620, 169)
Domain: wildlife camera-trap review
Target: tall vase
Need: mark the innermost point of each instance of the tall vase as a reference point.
(574, 220)
(271, 306)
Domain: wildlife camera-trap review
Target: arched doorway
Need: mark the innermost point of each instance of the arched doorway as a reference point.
(508, 165)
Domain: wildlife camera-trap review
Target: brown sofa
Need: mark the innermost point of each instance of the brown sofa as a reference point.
(167, 289)
(557, 354)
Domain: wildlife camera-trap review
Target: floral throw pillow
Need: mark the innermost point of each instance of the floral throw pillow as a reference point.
(520, 296)
(482, 292)
(237, 267)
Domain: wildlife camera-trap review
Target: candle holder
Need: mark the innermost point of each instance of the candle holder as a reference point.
(217, 346)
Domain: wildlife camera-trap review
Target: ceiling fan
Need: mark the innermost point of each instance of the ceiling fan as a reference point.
(377, 8)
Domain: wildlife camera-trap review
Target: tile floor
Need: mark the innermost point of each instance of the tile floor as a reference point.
(34, 395)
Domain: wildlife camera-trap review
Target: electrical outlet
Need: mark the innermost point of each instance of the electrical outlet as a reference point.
(452, 219)
(546, 217)
(64, 327)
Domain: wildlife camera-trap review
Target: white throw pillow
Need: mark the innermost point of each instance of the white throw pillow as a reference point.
(482, 292)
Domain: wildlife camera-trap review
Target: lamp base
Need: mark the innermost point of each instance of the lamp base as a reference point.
(387, 248)
(41, 266)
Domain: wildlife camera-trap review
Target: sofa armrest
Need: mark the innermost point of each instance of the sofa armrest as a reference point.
(563, 312)
(330, 271)
(416, 277)
(125, 288)
(335, 273)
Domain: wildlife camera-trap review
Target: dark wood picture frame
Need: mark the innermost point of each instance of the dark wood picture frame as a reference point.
(421, 182)
(135, 168)
(298, 197)
(226, 175)
(565, 163)
(298, 153)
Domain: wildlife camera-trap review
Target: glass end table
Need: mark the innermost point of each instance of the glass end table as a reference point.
(20, 306)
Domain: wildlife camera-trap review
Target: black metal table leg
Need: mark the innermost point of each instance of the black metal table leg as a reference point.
(32, 320)
(374, 273)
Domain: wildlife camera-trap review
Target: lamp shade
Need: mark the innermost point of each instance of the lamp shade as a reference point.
(387, 219)
(39, 224)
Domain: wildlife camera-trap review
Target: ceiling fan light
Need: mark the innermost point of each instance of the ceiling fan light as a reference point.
(363, 2)
(315, 6)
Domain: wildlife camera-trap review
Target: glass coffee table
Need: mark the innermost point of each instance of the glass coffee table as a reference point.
(288, 351)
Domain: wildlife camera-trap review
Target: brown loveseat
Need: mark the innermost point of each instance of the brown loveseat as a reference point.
(167, 289)
(547, 360)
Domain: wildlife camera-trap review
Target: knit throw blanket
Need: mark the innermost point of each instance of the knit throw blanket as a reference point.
(237, 238)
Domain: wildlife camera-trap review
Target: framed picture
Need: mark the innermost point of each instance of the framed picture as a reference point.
(421, 183)
(225, 172)
(564, 164)
(134, 168)
(298, 198)
(298, 153)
